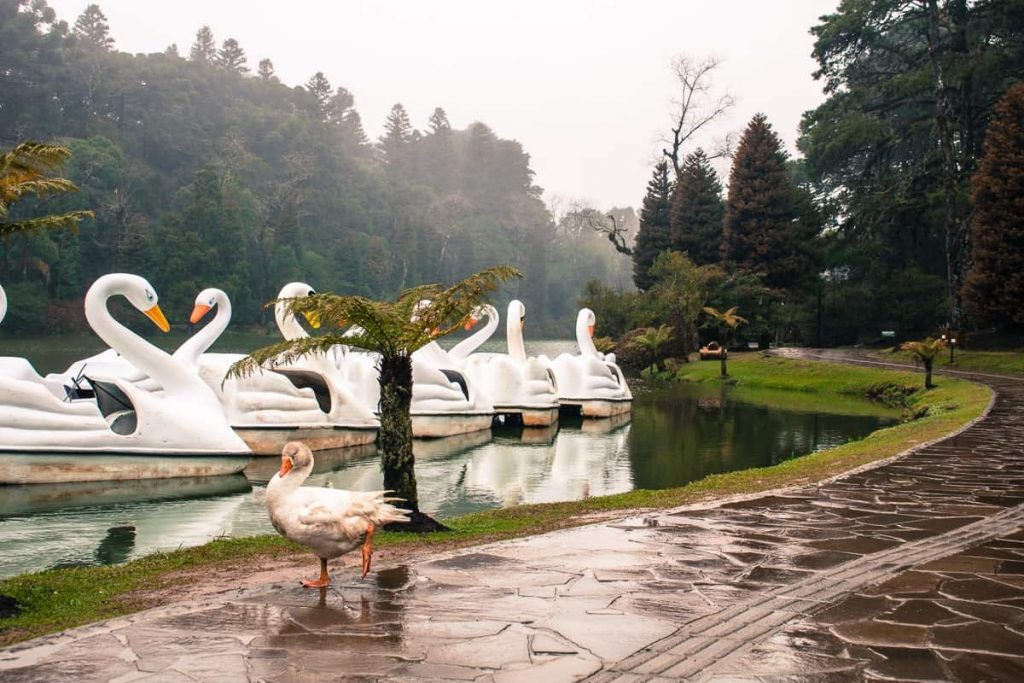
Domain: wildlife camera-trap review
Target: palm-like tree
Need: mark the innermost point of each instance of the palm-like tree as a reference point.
(652, 340)
(926, 350)
(727, 322)
(394, 329)
(27, 170)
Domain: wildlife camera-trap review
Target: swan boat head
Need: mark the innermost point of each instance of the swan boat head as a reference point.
(290, 328)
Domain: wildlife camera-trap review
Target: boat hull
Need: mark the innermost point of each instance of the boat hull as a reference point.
(434, 426)
(270, 440)
(60, 468)
(599, 407)
(530, 416)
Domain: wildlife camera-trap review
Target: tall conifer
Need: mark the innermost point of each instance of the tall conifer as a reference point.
(995, 286)
(91, 26)
(653, 236)
(697, 211)
(759, 234)
(232, 56)
(204, 49)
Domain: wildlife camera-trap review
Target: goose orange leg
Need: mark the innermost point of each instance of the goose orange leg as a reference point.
(324, 579)
(368, 549)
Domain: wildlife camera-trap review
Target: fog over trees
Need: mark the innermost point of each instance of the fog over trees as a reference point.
(207, 171)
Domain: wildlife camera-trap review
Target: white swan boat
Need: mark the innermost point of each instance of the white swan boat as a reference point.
(591, 379)
(48, 437)
(517, 385)
(444, 403)
(273, 407)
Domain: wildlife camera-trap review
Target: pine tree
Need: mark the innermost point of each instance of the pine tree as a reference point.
(320, 88)
(397, 133)
(439, 121)
(232, 56)
(204, 49)
(653, 236)
(759, 235)
(697, 211)
(995, 286)
(353, 122)
(265, 71)
(91, 26)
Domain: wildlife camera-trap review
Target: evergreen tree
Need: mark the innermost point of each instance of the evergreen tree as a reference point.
(204, 49)
(439, 121)
(91, 26)
(697, 211)
(265, 71)
(232, 56)
(353, 123)
(320, 88)
(759, 235)
(653, 236)
(397, 133)
(995, 286)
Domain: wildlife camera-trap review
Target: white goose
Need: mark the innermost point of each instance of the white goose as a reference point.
(185, 420)
(268, 406)
(516, 384)
(591, 379)
(330, 522)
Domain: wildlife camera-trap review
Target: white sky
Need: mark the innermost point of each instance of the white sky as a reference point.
(585, 85)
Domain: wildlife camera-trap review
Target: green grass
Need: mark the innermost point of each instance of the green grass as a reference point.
(58, 599)
(1005, 362)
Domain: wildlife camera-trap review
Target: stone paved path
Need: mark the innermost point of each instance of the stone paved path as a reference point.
(910, 571)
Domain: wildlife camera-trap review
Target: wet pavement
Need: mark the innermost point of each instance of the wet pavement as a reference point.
(913, 570)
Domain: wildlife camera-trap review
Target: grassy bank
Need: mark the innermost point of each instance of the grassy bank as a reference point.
(58, 599)
(1002, 362)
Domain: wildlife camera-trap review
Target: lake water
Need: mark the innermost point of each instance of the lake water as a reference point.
(675, 434)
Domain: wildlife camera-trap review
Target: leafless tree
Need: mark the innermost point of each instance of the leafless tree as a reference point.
(694, 107)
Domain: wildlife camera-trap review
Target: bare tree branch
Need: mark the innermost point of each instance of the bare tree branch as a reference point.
(695, 107)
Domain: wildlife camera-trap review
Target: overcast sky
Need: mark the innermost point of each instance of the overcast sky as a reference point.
(584, 85)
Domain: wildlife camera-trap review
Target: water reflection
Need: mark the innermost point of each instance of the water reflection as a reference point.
(675, 435)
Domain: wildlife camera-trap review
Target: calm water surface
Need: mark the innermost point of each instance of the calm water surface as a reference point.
(676, 434)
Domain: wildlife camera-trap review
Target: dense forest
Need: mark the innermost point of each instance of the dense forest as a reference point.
(204, 170)
(898, 221)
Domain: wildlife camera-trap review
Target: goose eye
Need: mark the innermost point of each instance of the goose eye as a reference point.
(149, 295)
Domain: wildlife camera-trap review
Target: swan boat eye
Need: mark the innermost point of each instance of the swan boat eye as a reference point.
(149, 295)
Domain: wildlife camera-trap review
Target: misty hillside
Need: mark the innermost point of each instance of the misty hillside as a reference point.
(205, 170)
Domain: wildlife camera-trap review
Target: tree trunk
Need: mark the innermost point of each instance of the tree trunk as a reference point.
(395, 441)
(928, 374)
(724, 336)
(944, 119)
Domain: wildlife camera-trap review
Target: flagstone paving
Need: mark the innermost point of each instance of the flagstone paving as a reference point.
(913, 570)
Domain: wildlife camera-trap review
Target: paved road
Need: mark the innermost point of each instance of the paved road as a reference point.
(910, 571)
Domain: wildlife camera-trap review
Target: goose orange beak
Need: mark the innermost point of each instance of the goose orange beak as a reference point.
(157, 316)
(590, 330)
(286, 467)
(472, 321)
(198, 312)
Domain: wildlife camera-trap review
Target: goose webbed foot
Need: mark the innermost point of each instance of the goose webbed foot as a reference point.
(323, 581)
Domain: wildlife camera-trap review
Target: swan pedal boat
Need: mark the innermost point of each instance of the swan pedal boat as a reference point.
(444, 402)
(519, 387)
(307, 400)
(591, 380)
(46, 436)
